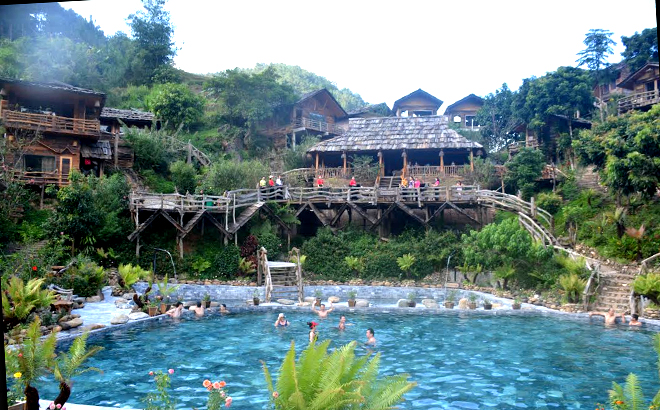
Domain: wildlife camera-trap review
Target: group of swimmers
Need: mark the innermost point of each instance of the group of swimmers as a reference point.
(610, 317)
(199, 309)
(323, 313)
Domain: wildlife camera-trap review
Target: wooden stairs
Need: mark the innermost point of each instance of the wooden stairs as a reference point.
(244, 217)
(285, 283)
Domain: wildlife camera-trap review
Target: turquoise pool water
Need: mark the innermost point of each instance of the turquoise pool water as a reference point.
(460, 361)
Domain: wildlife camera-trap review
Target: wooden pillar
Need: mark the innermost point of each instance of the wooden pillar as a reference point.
(317, 163)
(344, 156)
(293, 140)
(189, 158)
(116, 149)
(41, 199)
(442, 162)
(471, 161)
(381, 163)
(137, 246)
(405, 163)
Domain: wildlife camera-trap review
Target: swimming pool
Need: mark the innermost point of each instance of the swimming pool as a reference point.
(459, 360)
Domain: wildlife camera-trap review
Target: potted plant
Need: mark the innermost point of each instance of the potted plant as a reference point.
(411, 299)
(207, 300)
(487, 304)
(255, 297)
(165, 290)
(152, 307)
(516, 303)
(318, 295)
(472, 301)
(450, 300)
(351, 298)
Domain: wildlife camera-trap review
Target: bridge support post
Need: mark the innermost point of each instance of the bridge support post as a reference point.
(137, 246)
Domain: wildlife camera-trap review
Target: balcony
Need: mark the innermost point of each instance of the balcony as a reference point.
(40, 177)
(317, 125)
(638, 100)
(50, 123)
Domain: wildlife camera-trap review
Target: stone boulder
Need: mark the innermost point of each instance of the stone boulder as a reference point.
(310, 299)
(71, 323)
(287, 302)
(92, 327)
(137, 315)
(361, 303)
(119, 319)
(190, 303)
(333, 299)
(79, 300)
(430, 303)
(93, 299)
(400, 303)
(120, 301)
(304, 304)
(128, 296)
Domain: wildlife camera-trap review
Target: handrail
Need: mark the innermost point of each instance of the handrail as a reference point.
(593, 278)
(638, 100)
(49, 122)
(263, 262)
(644, 265)
(318, 125)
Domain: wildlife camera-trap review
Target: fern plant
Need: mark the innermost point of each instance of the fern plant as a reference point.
(129, 275)
(69, 365)
(629, 396)
(573, 285)
(246, 266)
(405, 263)
(334, 381)
(20, 299)
(648, 286)
(355, 264)
(164, 289)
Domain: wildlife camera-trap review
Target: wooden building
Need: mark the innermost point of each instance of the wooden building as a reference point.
(316, 113)
(400, 145)
(53, 128)
(417, 104)
(643, 89)
(464, 112)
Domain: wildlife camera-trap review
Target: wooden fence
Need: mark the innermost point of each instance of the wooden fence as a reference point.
(45, 122)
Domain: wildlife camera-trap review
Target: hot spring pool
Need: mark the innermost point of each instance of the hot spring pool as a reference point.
(460, 361)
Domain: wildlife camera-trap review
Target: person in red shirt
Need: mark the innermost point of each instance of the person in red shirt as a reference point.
(352, 183)
(270, 181)
(319, 182)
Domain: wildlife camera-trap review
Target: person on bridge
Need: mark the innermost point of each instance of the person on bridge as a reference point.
(271, 182)
(262, 183)
(319, 181)
(278, 181)
(352, 182)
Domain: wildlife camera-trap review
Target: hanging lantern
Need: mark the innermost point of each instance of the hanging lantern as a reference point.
(88, 161)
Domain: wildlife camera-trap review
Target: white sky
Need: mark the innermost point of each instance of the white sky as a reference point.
(383, 49)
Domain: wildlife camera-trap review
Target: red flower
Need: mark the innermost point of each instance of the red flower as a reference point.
(276, 395)
(151, 373)
(34, 268)
(222, 384)
(206, 383)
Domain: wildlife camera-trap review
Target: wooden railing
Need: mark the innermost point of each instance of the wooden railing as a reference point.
(45, 122)
(184, 203)
(515, 204)
(429, 171)
(318, 125)
(638, 100)
(41, 178)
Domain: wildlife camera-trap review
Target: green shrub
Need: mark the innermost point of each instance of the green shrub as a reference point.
(272, 243)
(573, 285)
(225, 263)
(86, 279)
(157, 182)
(549, 201)
(648, 286)
(129, 274)
(183, 176)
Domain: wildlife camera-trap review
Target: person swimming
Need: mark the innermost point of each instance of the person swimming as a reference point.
(312, 331)
(342, 323)
(281, 321)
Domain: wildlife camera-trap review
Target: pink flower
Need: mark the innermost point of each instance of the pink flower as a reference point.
(59, 406)
(216, 385)
(151, 373)
(171, 371)
(52, 406)
(20, 355)
(228, 401)
(276, 395)
(222, 394)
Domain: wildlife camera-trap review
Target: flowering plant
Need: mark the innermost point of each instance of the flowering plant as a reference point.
(217, 395)
(161, 399)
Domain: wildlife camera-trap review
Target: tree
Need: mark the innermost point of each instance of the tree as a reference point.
(176, 104)
(627, 151)
(523, 171)
(497, 119)
(599, 47)
(640, 48)
(153, 31)
(183, 176)
(564, 92)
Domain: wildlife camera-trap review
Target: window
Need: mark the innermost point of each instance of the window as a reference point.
(38, 163)
(650, 86)
(317, 117)
(471, 121)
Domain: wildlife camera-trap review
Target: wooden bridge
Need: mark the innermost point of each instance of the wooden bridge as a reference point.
(230, 212)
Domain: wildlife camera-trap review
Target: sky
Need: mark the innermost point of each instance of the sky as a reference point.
(384, 50)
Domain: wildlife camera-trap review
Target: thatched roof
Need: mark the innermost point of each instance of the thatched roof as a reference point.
(126, 115)
(396, 133)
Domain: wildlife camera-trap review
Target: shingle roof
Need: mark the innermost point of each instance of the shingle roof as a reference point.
(99, 149)
(419, 93)
(462, 100)
(55, 85)
(395, 133)
(126, 115)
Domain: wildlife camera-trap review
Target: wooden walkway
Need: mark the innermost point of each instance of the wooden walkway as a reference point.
(230, 212)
